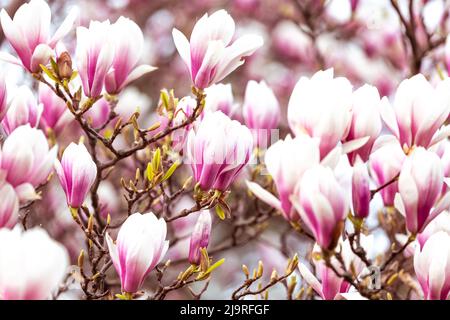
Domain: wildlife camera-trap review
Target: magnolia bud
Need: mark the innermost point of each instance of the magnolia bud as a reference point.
(77, 172)
(200, 237)
(140, 246)
(360, 190)
(64, 63)
(420, 185)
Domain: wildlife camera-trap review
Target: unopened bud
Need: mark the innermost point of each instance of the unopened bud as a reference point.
(64, 63)
(200, 237)
(260, 271)
(245, 270)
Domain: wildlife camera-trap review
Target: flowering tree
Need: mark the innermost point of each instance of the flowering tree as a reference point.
(318, 170)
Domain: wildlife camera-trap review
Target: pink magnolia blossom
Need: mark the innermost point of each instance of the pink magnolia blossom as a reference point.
(3, 97)
(361, 195)
(129, 44)
(185, 108)
(366, 120)
(9, 206)
(55, 115)
(286, 161)
(291, 42)
(261, 111)
(210, 55)
(328, 285)
(76, 172)
(385, 164)
(108, 199)
(29, 34)
(219, 97)
(95, 56)
(200, 236)
(26, 160)
(419, 186)
(141, 244)
(23, 109)
(447, 54)
(98, 114)
(411, 119)
(440, 223)
(432, 266)
(218, 150)
(322, 205)
(32, 265)
(321, 107)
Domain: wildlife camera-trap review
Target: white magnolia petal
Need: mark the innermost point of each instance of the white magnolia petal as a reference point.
(182, 45)
(264, 195)
(354, 145)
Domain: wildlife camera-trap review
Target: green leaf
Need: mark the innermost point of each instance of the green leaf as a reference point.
(165, 99)
(171, 170)
(156, 160)
(150, 172)
(220, 212)
(54, 66)
(74, 75)
(48, 73)
(203, 275)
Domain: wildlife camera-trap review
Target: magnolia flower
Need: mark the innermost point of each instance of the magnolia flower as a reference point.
(76, 172)
(385, 164)
(23, 109)
(141, 244)
(32, 265)
(99, 113)
(321, 107)
(361, 195)
(411, 119)
(219, 97)
(3, 97)
(130, 101)
(55, 115)
(419, 187)
(291, 42)
(261, 111)
(9, 206)
(432, 266)
(26, 160)
(322, 205)
(329, 286)
(286, 161)
(129, 42)
(440, 223)
(200, 236)
(447, 53)
(108, 199)
(210, 55)
(95, 55)
(218, 150)
(366, 120)
(29, 34)
(443, 151)
(185, 109)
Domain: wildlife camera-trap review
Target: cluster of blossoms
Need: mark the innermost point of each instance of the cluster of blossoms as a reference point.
(323, 159)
